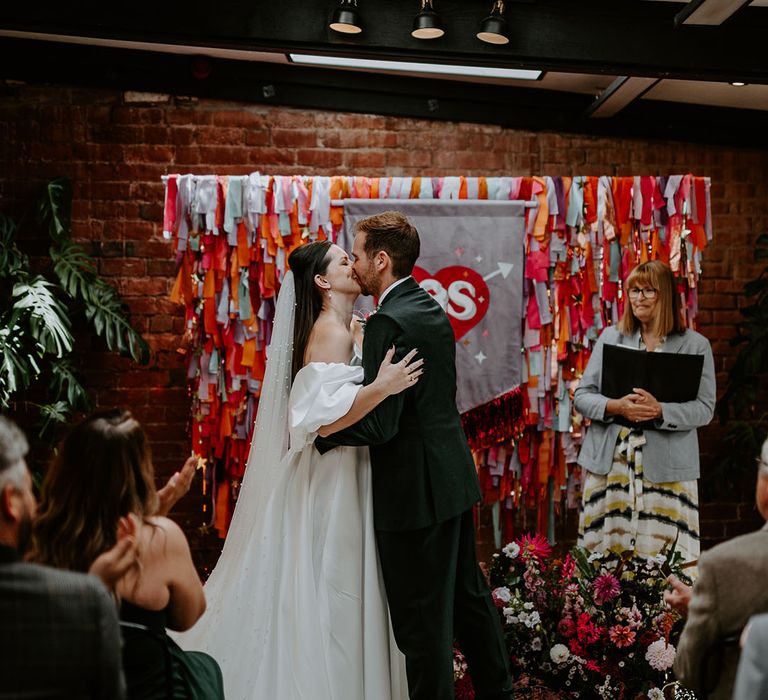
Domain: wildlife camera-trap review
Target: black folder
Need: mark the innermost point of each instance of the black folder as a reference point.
(670, 377)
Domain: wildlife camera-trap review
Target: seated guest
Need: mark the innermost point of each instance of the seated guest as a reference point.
(729, 590)
(103, 473)
(752, 674)
(59, 635)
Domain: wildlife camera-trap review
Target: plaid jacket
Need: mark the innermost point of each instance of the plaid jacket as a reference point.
(59, 634)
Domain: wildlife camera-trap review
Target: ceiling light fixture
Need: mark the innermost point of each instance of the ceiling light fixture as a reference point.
(427, 23)
(494, 29)
(346, 18)
(737, 83)
(412, 67)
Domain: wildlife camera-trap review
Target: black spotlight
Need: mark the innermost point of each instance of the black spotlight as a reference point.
(346, 18)
(427, 24)
(493, 29)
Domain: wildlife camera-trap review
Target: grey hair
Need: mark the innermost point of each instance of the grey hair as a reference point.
(13, 449)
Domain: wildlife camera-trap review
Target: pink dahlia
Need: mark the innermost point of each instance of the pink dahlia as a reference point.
(534, 546)
(605, 587)
(622, 636)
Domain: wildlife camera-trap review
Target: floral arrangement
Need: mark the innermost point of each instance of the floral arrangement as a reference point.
(586, 625)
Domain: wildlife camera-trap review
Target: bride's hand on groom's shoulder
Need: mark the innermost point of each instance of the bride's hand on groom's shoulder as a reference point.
(394, 377)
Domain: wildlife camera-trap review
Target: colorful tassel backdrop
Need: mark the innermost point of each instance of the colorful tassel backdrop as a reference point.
(233, 235)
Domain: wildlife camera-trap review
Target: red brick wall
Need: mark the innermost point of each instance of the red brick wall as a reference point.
(115, 154)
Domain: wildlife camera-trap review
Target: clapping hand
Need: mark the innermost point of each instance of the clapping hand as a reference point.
(177, 486)
(112, 565)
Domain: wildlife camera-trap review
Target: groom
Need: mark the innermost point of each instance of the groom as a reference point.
(424, 479)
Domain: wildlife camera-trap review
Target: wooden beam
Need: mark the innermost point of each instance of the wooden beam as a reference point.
(620, 93)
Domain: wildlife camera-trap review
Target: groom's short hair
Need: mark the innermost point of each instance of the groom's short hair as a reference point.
(391, 232)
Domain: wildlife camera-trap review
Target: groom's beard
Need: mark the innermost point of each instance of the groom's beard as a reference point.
(369, 285)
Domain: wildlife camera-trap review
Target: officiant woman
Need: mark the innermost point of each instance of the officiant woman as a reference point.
(641, 456)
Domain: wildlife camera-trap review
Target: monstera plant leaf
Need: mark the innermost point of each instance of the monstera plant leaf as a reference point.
(75, 269)
(53, 414)
(55, 208)
(65, 384)
(105, 311)
(12, 260)
(48, 318)
(36, 339)
(18, 366)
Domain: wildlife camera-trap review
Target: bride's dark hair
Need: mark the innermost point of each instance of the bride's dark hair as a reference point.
(306, 262)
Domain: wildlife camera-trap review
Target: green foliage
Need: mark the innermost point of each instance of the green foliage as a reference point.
(36, 313)
(55, 209)
(106, 312)
(74, 268)
(45, 316)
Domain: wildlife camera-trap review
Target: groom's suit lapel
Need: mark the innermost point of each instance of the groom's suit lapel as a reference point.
(408, 286)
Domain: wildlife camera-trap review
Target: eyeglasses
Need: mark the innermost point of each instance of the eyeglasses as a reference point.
(647, 293)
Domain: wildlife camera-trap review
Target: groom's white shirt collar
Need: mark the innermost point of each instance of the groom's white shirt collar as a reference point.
(391, 287)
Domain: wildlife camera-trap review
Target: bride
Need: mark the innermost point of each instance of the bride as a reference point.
(296, 603)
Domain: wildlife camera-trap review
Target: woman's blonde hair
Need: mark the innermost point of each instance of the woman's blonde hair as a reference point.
(657, 275)
(103, 471)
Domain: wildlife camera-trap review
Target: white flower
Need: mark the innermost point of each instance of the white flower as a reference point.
(655, 561)
(512, 550)
(559, 653)
(528, 605)
(594, 557)
(532, 619)
(536, 644)
(660, 655)
(656, 694)
(509, 615)
(503, 594)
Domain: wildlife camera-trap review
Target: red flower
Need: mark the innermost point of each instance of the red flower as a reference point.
(587, 631)
(463, 688)
(569, 565)
(592, 666)
(605, 587)
(534, 546)
(566, 627)
(576, 647)
(648, 637)
(622, 636)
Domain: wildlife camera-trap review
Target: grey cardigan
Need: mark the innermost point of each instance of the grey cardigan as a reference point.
(671, 452)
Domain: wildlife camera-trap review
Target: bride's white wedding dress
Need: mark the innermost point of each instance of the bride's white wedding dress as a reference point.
(296, 603)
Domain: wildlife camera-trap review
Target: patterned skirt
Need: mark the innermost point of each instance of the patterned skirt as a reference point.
(623, 511)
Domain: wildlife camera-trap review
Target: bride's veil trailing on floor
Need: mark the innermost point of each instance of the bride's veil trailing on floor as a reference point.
(241, 589)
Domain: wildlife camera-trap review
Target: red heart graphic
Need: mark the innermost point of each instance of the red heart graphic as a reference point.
(461, 291)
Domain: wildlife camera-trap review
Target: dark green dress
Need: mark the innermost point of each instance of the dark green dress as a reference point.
(194, 675)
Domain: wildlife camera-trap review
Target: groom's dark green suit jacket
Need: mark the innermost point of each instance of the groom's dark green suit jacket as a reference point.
(423, 472)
